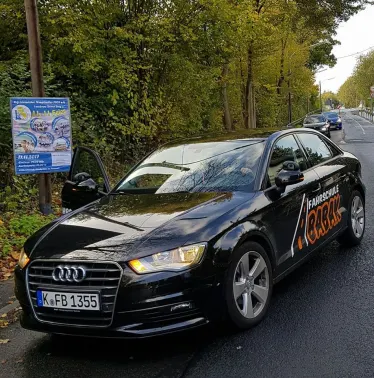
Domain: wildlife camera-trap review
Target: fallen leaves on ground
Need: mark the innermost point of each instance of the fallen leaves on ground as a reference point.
(4, 341)
(7, 265)
(15, 255)
(10, 317)
(3, 323)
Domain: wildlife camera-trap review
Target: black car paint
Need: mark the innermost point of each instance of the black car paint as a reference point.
(123, 227)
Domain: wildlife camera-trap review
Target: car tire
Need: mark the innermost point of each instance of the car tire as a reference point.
(248, 285)
(356, 221)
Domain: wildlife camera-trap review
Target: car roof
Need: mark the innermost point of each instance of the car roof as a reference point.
(239, 137)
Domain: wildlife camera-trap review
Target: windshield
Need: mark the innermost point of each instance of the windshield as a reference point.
(331, 115)
(200, 167)
(315, 119)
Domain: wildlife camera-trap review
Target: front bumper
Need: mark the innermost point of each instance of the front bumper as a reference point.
(336, 125)
(147, 305)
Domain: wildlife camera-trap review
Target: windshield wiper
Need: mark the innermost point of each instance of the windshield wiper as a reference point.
(166, 164)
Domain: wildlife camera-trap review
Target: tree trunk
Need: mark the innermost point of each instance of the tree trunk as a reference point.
(226, 108)
(281, 71)
(242, 92)
(249, 103)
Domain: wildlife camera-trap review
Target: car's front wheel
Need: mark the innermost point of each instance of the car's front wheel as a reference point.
(356, 221)
(249, 285)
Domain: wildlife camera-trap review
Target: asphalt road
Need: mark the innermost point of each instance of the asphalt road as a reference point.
(320, 322)
(6, 293)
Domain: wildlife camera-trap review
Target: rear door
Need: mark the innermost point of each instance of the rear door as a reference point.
(327, 209)
(87, 180)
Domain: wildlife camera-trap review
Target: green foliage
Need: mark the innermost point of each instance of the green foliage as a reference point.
(15, 229)
(139, 73)
(22, 194)
(349, 93)
(357, 87)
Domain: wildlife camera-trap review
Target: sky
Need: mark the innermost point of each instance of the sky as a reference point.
(355, 35)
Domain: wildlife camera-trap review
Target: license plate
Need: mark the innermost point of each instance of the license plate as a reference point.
(68, 301)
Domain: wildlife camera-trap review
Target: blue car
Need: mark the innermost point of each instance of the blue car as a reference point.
(334, 120)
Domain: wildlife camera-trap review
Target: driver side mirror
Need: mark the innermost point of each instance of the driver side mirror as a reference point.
(88, 185)
(289, 175)
(80, 177)
(84, 183)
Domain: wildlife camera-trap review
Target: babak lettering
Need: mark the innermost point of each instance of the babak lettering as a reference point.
(317, 217)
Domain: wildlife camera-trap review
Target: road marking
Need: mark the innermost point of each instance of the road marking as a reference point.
(363, 131)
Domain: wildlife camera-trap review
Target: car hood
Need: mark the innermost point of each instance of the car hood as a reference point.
(123, 227)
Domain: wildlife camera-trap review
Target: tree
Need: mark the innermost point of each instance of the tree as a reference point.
(357, 87)
(330, 98)
(142, 72)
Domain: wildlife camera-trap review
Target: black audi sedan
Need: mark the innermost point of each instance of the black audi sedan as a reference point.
(198, 232)
(318, 122)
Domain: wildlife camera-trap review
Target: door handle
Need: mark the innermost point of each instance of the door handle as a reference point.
(317, 188)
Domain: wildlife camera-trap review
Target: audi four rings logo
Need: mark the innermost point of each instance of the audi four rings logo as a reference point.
(67, 273)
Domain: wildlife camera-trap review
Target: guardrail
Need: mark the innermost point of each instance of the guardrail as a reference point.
(367, 114)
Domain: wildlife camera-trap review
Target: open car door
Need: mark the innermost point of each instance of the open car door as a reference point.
(87, 180)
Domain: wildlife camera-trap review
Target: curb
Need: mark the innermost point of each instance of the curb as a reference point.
(9, 307)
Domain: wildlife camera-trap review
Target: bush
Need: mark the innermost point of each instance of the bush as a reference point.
(15, 229)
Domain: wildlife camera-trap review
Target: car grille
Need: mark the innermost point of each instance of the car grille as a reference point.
(102, 277)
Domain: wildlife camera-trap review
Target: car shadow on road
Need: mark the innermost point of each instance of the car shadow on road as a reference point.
(164, 356)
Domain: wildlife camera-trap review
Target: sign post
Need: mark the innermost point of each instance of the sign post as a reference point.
(36, 68)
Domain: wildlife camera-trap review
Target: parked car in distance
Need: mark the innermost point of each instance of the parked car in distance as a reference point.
(318, 122)
(197, 232)
(334, 119)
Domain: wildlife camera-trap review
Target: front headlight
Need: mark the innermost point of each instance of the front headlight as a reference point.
(324, 128)
(23, 259)
(174, 260)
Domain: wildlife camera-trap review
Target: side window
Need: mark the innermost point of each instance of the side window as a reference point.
(316, 148)
(335, 151)
(285, 149)
(86, 162)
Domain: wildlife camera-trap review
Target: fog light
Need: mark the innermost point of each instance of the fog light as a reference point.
(182, 306)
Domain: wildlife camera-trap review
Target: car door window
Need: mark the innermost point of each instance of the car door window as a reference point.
(317, 150)
(86, 162)
(285, 149)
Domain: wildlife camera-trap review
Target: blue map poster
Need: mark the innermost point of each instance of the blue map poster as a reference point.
(41, 129)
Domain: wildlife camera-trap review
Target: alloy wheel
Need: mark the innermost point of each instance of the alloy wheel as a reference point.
(357, 216)
(251, 284)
